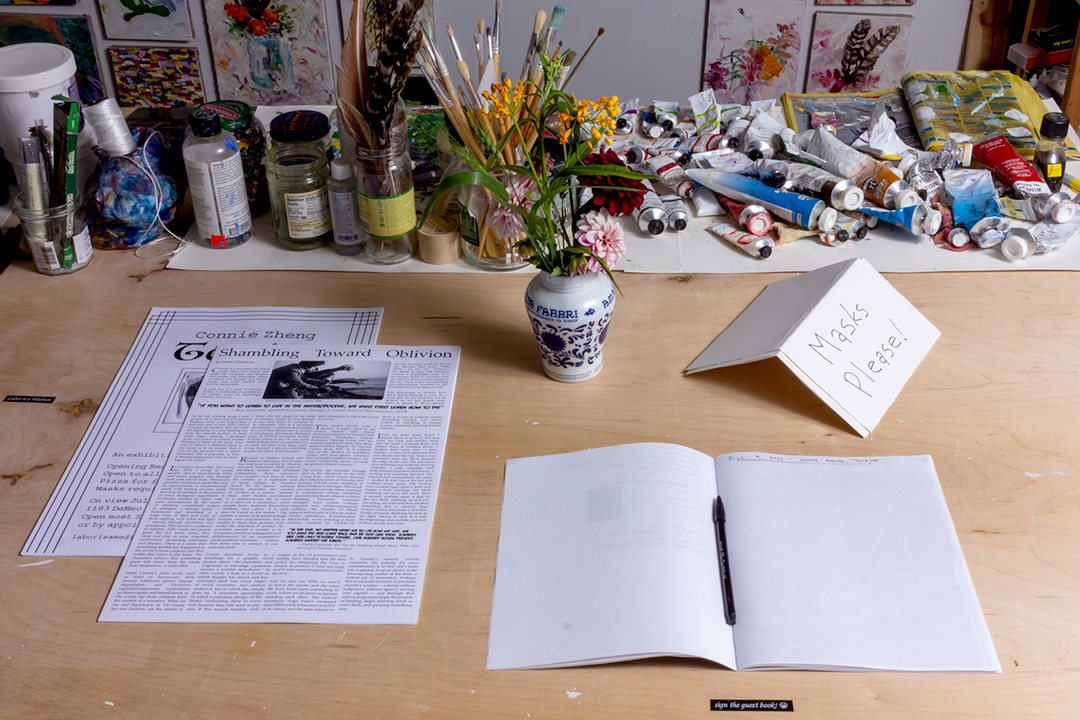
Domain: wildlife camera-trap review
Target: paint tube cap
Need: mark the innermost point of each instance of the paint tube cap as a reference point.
(858, 229)
(931, 222)
(842, 235)
(827, 219)
(1063, 211)
(847, 195)
(906, 198)
(1015, 247)
(652, 130)
(758, 223)
(958, 237)
(765, 250)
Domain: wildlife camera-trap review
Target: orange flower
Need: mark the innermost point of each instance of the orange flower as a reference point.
(258, 28)
(271, 16)
(236, 12)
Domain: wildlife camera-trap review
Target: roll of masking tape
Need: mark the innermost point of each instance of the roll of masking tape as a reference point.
(439, 240)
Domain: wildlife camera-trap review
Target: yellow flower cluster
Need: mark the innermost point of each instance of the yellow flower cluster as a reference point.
(505, 98)
(598, 117)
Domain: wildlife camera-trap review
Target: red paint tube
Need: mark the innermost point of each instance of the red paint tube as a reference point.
(755, 219)
(998, 156)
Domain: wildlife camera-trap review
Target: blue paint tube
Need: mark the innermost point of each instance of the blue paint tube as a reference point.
(973, 194)
(788, 206)
(916, 219)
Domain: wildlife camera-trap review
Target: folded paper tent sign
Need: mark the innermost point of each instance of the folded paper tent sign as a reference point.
(847, 334)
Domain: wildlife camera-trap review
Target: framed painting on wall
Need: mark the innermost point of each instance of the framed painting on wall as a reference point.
(162, 20)
(271, 53)
(156, 77)
(864, 2)
(752, 49)
(857, 53)
(71, 31)
(38, 2)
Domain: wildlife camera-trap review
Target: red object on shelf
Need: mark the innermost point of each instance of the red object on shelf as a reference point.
(1029, 57)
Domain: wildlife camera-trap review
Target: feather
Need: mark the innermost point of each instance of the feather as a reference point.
(853, 51)
(875, 46)
(393, 62)
(351, 80)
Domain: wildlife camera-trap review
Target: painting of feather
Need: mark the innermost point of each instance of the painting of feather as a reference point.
(853, 52)
(271, 52)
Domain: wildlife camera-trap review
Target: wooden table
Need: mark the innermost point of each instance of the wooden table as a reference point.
(996, 403)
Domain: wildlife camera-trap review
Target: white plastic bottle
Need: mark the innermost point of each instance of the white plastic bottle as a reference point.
(344, 208)
(216, 178)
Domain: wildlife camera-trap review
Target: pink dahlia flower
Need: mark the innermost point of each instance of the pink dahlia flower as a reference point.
(601, 233)
(502, 219)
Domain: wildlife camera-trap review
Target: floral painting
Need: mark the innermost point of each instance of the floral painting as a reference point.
(146, 19)
(271, 53)
(855, 53)
(752, 49)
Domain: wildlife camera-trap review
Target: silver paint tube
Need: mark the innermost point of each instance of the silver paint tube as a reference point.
(841, 193)
(733, 138)
(856, 229)
(651, 217)
(676, 212)
(627, 120)
(1039, 238)
(753, 245)
(667, 114)
(672, 173)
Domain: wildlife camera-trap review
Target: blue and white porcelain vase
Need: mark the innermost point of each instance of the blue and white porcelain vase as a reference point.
(570, 317)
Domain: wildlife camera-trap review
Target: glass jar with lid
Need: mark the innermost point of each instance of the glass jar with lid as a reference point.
(297, 171)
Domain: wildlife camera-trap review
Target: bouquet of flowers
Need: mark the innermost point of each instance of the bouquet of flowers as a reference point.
(532, 149)
(256, 18)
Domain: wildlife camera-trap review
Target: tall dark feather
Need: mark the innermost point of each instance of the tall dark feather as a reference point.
(853, 51)
(875, 46)
(394, 57)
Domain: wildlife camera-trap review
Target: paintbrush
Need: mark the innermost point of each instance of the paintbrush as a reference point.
(463, 69)
(583, 56)
(495, 37)
(538, 24)
(556, 20)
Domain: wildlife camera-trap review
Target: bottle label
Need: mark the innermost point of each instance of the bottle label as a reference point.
(219, 197)
(387, 217)
(308, 214)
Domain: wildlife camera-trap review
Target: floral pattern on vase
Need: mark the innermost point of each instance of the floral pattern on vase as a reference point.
(570, 317)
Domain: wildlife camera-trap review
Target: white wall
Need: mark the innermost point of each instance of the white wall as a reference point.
(652, 49)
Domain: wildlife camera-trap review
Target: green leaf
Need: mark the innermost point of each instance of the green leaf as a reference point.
(471, 177)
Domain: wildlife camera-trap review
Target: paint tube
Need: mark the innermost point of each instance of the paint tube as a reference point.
(704, 143)
(988, 232)
(672, 173)
(760, 140)
(706, 113)
(855, 228)
(834, 237)
(676, 212)
(878, 181)
(791, 148)
(706, 204)
(841, 193)
(958, 237)
(973, 194)
(635, 154)
(773, 173)
(724, 159)
(733, 136)
(916, 219)
(650, 126)
(651, 217)
(998, 156)
(627, 120)
(667, 114)
(925, 180)
(1018, 209)
(754, 219)
(792, 207)
(1039, 238)
(753, 245)
(731, 113)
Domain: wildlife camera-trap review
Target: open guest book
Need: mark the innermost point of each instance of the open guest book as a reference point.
(612, 554)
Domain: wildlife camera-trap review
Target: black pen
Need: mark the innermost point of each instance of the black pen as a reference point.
(725, 572)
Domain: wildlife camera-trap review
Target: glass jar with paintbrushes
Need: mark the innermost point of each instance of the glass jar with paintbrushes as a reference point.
(385, 192)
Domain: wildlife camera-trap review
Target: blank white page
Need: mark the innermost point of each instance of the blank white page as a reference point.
(605, 555)
(848, 563)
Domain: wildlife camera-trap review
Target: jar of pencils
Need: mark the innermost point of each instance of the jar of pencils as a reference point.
(56, 237)
(385, 191)
(487, 231)
(297, 171)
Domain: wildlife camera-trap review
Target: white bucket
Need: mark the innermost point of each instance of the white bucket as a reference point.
(30, 74)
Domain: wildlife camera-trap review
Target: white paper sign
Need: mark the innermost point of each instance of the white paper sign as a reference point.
(843, 330)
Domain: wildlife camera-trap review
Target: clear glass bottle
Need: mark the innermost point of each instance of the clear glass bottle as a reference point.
(1050, 150)
(297, 172)
(344, 208)
(239, 119)
(385, 192)
(215, 174)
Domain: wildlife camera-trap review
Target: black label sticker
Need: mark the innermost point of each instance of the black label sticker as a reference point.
(752, 705)
(29, 398)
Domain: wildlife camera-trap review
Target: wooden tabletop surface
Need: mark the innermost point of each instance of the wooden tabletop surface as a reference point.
(996, 403)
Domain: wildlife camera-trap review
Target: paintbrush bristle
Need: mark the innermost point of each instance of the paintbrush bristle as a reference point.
(538, 25)
(557, 16)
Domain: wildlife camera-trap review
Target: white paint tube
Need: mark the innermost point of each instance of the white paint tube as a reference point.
(705, 203)
(650, 126)
(760, 139)
(856, 228)
(627, 120)
(724, 159)
(841, 193)
(683, 131)
(706, 113)
(1039, 238)
(704, 143)
(676, 212)
(667, 114)
(664, 144)
(753, 245)
(651, 217)
(733, 137)
(672, 173)
(878, 181)
(789, 143)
